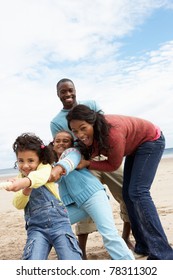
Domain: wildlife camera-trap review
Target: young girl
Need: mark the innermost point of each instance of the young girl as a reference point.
(46, 217)
(84, 196)
(142, 143)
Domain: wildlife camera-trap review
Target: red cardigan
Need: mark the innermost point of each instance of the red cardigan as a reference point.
(126, 135)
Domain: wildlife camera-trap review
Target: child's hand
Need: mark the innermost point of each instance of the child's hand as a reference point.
(27, 191)
(4, 185)
(18, 184)
(56, 173)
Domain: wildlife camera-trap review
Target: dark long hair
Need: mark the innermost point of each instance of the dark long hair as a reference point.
(100, 125)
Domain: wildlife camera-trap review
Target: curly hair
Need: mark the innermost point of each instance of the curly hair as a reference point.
(31, 142)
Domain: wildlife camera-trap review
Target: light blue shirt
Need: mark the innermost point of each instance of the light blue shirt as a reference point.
(59, 122)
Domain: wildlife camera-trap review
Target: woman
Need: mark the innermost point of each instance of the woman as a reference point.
(142, 144)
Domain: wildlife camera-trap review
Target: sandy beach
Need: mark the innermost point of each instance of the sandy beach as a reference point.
(13, 234)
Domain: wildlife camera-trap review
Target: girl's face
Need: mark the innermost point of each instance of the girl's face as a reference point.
(83, 131)
(27, 161)
(62, 141)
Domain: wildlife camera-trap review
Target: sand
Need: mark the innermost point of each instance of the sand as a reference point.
(13, 234)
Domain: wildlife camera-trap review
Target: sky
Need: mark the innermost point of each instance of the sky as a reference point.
(118, 52)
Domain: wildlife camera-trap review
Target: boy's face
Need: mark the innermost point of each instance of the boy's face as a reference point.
(62, 141)
(27, 161)
(67, 94)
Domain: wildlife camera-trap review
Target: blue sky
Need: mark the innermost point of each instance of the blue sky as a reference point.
(117, 52)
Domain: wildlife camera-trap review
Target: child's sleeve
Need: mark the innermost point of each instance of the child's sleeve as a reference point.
(69, 160)
(40, 176)
(20, 200)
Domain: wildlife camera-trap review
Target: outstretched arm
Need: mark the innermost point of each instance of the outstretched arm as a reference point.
(69, 160)
(17, 184)
(35, 179)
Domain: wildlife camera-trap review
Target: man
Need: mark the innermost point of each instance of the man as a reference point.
(67, 94)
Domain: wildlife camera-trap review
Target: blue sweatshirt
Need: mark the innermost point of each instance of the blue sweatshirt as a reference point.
(76, 186)
(59, 122)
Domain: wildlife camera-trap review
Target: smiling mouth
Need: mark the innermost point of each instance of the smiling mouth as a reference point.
(25, 173)
(61, 148)
(85, 141)
(69, 98)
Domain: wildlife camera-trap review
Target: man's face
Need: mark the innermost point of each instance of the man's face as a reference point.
(67, 94)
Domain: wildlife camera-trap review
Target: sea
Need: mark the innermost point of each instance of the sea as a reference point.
(13, 172)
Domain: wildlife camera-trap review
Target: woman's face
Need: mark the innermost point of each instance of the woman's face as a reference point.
(62, 141)
(83, 131)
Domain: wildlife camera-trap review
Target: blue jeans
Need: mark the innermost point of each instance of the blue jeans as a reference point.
(139, 172)
(99, 209)
(48, 226)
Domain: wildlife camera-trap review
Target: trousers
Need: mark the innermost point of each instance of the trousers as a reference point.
(114, 182)
(139, 171)
(99, 209)
(48, 225)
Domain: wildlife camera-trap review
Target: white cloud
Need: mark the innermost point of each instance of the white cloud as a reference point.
(45, 40)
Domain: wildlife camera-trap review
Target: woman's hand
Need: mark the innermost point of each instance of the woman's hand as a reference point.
(83, 163)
